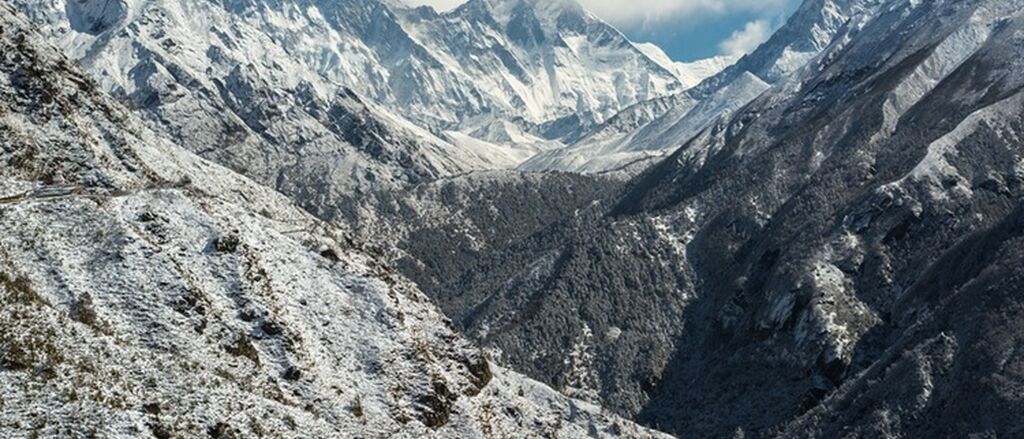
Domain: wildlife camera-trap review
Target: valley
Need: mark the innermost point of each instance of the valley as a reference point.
(365, 219)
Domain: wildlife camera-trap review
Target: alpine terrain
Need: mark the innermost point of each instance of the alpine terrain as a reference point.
(326, 100)
(147, 292)
(365, 219)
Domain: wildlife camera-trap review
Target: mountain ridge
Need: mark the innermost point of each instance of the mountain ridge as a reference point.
(259, 85)
(791, 270)
(148, 292)
(650, 129)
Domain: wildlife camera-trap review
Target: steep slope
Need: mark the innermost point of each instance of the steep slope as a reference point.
(690, 74)
(264, 87)
(837, 258)
(147, 292)
(660, 126)
(851, 189)
(215, 77)
(540, 61)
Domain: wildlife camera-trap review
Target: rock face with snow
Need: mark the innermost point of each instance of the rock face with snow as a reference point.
(381, 96)
(147, 292)
(658, 127)
(535, 60)
(840, 257)
(832, 248)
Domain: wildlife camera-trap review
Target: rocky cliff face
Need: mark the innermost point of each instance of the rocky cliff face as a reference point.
(382, 96)
(219, 81)
(147, 292)
(656, 128)
(822, 262)
(833, 253)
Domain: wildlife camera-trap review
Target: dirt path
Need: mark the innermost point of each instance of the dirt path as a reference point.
(45, 193)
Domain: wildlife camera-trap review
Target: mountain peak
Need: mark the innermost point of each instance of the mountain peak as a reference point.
(513, 14)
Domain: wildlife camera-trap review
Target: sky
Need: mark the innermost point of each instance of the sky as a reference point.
(686, 29)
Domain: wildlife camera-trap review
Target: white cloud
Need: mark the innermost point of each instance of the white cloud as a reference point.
(747, 39)
(632, 12)
(659, 15)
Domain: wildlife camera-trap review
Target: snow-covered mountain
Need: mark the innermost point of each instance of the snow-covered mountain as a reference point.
(660, 126)
(213, 77)
(145, 292)
(840, 257)
(832, 248)
(488, 59)
(690, 74)
(326, 100)
(536, 60)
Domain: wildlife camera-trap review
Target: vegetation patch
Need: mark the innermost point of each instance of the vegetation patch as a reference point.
(20, 290)
(243, 347)
(227, 244)
(436, 406)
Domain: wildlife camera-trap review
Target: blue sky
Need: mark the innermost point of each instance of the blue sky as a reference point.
(688, 38)
(687, 29)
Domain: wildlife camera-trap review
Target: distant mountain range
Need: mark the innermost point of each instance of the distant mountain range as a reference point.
(385, 96)
(354, 218)
(149, 293)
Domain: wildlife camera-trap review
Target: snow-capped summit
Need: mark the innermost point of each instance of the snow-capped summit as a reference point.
(381, 95)
(659, 126)
(540, 60)
(692, 73)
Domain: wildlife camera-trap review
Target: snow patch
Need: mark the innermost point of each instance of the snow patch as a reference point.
(944, 59)
(581, 380)
(934, 167)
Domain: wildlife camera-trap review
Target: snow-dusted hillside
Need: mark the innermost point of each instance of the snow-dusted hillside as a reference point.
(840, 257)
(327, 100)
(214, 78)
(660, 126)
(147, 292)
